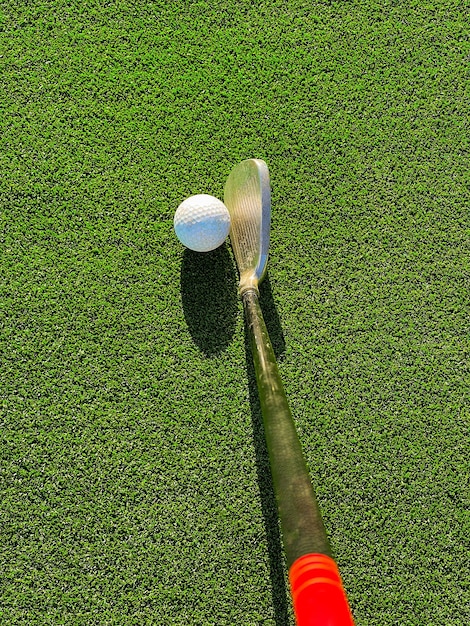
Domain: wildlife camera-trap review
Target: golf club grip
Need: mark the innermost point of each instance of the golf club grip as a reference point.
(317, 592)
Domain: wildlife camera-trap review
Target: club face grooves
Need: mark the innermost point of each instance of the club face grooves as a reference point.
(248, 198)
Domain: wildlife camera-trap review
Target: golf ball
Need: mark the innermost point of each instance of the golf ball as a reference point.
(202, 223)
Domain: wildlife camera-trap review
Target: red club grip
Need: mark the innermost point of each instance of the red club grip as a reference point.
(317, 592)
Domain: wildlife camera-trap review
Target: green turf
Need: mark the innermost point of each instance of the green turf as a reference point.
(134, 480)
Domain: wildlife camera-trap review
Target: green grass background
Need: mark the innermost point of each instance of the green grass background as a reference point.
(134, 481)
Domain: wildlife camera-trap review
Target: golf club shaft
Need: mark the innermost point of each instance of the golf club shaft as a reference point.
(306, 545)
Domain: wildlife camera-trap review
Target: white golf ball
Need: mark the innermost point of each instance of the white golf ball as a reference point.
(202, 223)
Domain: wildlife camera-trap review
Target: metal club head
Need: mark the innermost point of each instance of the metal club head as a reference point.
(247, 197)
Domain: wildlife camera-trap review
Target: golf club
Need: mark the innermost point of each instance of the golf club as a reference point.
(317, 592)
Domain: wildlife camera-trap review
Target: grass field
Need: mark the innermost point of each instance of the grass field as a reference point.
(134, 480)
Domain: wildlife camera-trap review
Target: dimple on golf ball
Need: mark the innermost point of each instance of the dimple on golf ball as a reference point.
(202, 223)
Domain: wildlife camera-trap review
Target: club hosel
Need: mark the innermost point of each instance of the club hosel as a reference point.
(249, 281)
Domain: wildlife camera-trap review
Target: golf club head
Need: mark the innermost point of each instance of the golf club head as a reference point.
(247, 197)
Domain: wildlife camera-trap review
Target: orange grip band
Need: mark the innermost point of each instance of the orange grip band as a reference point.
(317, 592)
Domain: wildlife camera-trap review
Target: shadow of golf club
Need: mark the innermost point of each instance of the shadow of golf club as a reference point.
(271, 318)
(209, 298)
(210, 305)
(281, 603)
